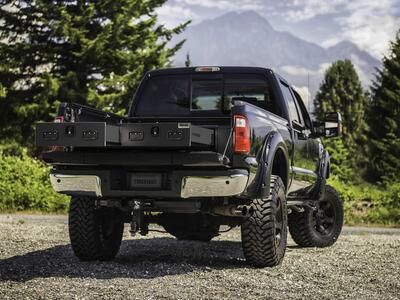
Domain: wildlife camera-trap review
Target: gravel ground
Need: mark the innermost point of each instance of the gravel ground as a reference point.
(36, 261)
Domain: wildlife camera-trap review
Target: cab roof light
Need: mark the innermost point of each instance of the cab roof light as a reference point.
(207, 69)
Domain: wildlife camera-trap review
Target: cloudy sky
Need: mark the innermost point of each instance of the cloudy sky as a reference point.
(370, 24)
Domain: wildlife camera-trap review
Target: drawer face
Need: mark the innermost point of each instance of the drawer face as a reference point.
(159, 135)
(82, 134)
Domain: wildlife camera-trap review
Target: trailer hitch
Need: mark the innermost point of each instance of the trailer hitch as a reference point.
(138, 221)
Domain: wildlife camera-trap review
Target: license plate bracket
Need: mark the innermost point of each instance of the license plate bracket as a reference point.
(140, 181)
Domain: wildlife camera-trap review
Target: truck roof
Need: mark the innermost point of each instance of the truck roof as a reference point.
(194, 70)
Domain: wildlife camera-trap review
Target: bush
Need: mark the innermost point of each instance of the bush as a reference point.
(11, 147)
(24, 184)
(369, 204)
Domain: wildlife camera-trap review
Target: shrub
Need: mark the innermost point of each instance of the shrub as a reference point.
(24, 185)
(369, 204)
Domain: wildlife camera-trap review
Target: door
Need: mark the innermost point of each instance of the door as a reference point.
(303, 167)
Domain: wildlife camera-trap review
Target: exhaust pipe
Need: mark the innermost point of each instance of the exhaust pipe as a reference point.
(233, 210)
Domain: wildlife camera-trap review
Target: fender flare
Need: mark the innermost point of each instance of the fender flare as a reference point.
(323, 175)
(260, 186)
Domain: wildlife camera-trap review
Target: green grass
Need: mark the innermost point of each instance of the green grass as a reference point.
(367, 204)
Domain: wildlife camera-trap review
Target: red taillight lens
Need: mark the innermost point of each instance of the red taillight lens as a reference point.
(59, 119)
(241, 135)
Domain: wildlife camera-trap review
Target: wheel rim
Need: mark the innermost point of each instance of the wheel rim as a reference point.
(278, 221)
(324, 217)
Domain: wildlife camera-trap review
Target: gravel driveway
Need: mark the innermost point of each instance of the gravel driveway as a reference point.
(36, 261)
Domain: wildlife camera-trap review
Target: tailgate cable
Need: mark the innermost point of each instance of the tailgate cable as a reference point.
(227, 144)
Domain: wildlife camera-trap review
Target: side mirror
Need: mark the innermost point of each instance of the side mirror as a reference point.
(330, 127)
(333, 124)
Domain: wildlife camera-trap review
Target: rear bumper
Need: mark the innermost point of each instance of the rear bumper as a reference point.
(182, 184)
(85, 185)
(213, 186)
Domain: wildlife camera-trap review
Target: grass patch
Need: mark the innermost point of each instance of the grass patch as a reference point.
(367, 204)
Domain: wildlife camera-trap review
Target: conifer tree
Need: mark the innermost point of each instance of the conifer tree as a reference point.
(85, 51)
(341, 91)
(384, 119)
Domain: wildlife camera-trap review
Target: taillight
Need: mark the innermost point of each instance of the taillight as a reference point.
(241, 135)
(59, 119)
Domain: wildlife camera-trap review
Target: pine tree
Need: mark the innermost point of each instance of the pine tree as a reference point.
(384, 119)
(85, 51)
(341, 91)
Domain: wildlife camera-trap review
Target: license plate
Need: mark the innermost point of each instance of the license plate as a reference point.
(146, 180)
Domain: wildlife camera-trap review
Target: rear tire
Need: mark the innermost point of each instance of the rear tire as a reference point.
(95, 234)
(193, 227)
(320, 228)
(264, 233)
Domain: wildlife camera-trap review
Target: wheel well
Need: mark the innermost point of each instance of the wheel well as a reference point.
(279, 167)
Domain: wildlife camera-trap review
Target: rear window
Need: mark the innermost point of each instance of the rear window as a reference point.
(164, 96)
(185, 95)
(207, 95)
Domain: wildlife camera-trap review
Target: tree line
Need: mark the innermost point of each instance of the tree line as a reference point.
(95, 53)
(369, 148)
(85, 51)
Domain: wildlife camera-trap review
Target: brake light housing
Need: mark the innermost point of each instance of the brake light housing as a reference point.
(59, 119)
(207, 69)
(241, 135)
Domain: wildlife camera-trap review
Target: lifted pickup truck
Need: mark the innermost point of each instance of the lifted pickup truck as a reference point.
(200, 148)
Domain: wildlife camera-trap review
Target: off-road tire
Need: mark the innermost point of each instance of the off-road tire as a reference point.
(95, 234)
(264, 233)
(305, 227)
(192, 227)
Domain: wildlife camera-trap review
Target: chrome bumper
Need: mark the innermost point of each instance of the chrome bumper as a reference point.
(191, 186)
(213, 186)
(89, 185)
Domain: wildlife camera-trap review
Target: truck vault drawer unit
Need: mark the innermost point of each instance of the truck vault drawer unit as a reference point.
(100, 134)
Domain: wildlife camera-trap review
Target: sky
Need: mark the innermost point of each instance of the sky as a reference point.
(370, 24)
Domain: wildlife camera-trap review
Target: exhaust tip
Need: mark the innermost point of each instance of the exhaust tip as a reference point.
(244, 211)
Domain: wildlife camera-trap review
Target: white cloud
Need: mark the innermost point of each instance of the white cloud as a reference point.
(300, 10)
(225, 4)
(370, 25)
(172, 15)
(331, 42)
(300, 71)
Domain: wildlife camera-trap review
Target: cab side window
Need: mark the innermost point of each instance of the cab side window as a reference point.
(303, 111)
(294, 114)
(250, 88)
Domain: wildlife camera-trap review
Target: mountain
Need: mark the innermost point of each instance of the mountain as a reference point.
(248, 39)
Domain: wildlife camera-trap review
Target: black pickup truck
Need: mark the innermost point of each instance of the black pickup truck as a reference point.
(200, 148)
